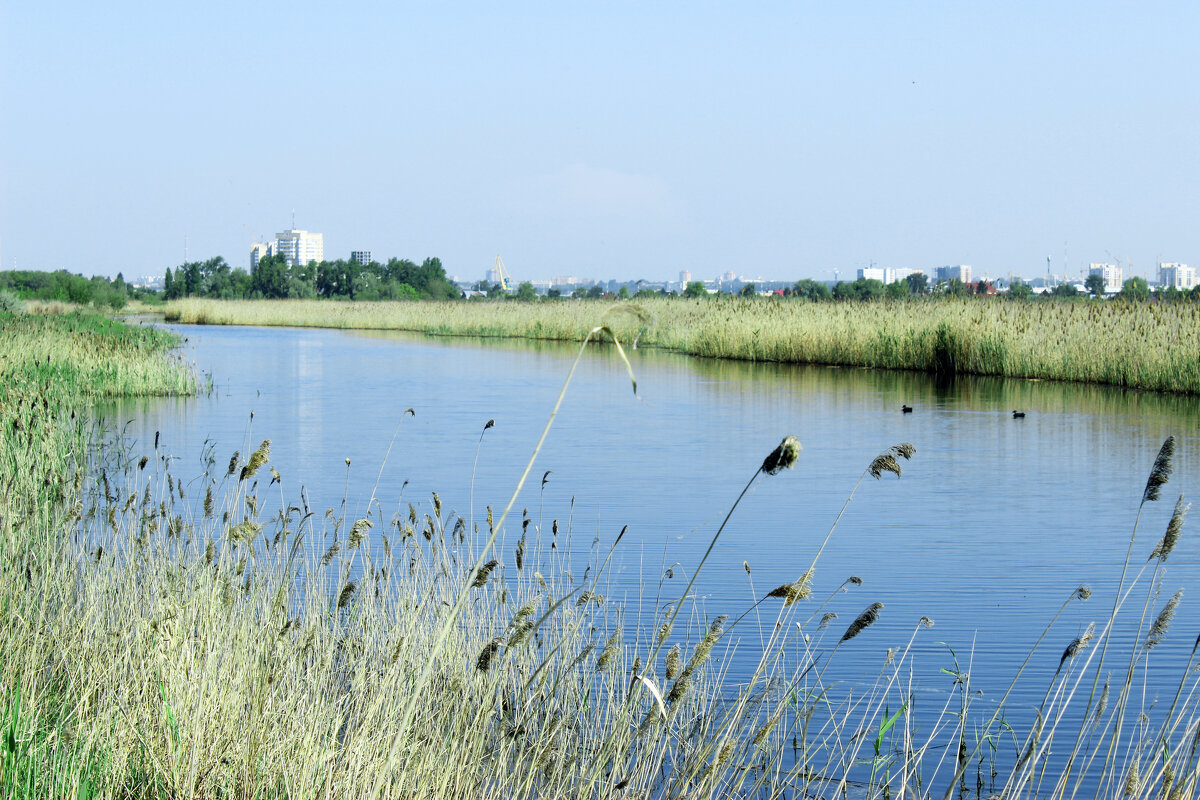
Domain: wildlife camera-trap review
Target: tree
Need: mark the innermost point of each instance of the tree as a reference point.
(1135, 289)
(169, 286)
(1019, 290)
(1095, 284)
(748, 290)
(554, 292)
(866, 289)
(695, 289)
(623, 294)
(896, 290)
(1067, 290)
(917, 282)
(982, 288)
(808, 289)
(270, 277)
(956, 288)
(526, 292)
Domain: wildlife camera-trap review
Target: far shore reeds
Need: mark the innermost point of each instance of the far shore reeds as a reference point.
(1151, 346)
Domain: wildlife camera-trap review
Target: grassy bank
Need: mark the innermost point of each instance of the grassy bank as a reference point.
(1137, 345)
(168, 635)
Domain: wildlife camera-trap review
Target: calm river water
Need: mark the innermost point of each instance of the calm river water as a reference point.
(994, 523)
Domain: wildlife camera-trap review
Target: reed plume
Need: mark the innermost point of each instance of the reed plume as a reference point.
(1160, 472)
(1077, 645)
(1159, 629)
(488, 653)
(346, 594)
(610, 650)
(782, 457)
(862, 621)
(481, 577)
(358, 532)
(1171, 537)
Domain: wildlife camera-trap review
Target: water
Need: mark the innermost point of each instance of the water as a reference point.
(992, 526)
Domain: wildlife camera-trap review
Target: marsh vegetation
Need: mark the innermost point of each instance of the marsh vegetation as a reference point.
(1135, 345)
(165, 635)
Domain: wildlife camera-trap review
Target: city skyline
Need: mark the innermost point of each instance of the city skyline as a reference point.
(776, 139)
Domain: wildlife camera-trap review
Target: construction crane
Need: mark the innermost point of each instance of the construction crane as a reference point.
(502, 273)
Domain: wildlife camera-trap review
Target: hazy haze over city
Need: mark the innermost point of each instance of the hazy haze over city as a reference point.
(775, 140)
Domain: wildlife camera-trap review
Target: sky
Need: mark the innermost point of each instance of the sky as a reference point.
(609, 140)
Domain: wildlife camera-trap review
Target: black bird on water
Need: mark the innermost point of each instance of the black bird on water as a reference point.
(1018, 414)
(905, 409)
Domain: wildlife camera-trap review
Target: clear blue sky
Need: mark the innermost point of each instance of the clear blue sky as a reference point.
(628, 140)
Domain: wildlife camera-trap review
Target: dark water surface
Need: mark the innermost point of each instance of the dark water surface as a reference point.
(992, 526)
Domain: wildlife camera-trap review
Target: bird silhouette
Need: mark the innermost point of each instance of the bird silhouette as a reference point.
(905, 409)
(1018, 414)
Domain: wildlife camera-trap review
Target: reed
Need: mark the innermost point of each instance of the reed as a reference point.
(1136, 345)
(161, 645)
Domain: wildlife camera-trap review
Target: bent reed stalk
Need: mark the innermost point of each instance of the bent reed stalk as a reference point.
(157, 641)
(1136, 345)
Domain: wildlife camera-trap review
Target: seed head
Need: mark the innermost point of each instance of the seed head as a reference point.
(346, 593)
(674, 662)
(1159, 629)
(884, 462)
(1078, 644)
(484, 573)
(1167, 543)
(257, 459)
(488, 653)
(862, 621)
(610, 651)
(782, 457)
(1161, 471)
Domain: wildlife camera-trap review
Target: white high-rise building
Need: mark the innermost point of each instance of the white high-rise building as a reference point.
(886, 274)
(1112, 276)
(298, 247)
(1181, 276)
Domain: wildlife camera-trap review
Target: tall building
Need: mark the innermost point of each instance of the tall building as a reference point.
(259, 251)
(360, 256)
(685, 277)
(298, 247)
(1181, 276)
(1112, 276)
(960, 271)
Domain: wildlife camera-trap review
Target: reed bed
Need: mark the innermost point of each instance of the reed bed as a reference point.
(1137, 345)
(213, 636)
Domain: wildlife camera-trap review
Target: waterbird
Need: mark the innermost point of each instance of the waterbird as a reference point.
(1018, 414)
(905, 409)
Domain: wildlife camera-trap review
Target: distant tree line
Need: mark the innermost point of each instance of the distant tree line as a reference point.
(272, 278)
(67, 288)
(401, 279)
